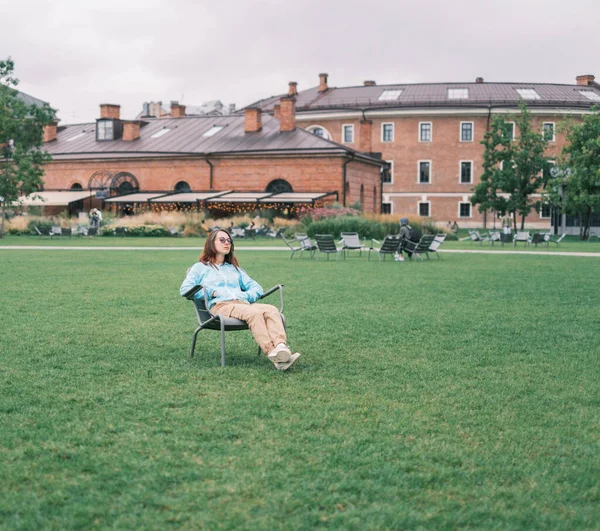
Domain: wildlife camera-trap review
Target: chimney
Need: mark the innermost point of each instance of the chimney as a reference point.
(585, 80)
(252, 120)
(287, 121)
(231, 108)
(49, 132)
(478, 80)
(323, 82)
(109, 110)
(131, 130)
(177, 111)
(293, 88)
(364, 136)
(370, 83)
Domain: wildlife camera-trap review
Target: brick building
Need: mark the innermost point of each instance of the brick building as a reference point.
(431, 133)
(195, 160)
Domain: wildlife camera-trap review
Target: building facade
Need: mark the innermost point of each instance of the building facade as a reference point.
(431, 134)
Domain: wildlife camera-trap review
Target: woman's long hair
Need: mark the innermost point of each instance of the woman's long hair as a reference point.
(209, 253)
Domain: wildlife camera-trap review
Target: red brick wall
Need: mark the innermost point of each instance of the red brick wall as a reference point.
(445, 152)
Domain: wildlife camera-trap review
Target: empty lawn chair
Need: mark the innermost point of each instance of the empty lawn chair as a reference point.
(537, 238)
(351, 242)
(293, 245)
(522, 236)
(41, 231)
(208, 321)
(250, 233)
(67, 232)
(174, 232)
(436, 244)
(236, 232)
(418, 248)
(92, 231)
(556, 240)
(55, 231)
(495, 237)
(389, 247)
(326, 245)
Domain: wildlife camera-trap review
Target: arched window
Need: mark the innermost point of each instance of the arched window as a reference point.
(279, 186)
(76, 186)
(182, 186)
(125, 188)
(320, 131)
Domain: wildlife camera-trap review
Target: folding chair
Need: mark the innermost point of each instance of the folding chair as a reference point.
(55, 231)
(436, 244)
(389, 246)
(351, 242)
(326, 245)
(208, 321)
(522, 236)
(42, 231)
(293, 248)
(418, 248)
(306, 243)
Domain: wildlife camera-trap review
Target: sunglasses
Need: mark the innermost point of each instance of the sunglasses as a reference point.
(224, 240)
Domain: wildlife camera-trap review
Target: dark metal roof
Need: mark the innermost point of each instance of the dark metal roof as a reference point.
(436, 94)
(186, 136)
(30, 100)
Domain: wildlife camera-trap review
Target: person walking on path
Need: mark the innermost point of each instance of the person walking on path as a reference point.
(232, 293)
(506, 223)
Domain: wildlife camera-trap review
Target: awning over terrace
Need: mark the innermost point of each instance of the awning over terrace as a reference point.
(240, 197)
(142, 197)
(187, 197)
(297, 197)
(54, 198)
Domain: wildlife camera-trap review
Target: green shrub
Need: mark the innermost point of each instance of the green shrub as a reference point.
(39, 223)
(366, 228)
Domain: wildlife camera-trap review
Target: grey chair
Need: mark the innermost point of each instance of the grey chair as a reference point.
(55, 231)
(208, 321)
(521, 236)
(557, 241)
(351, 242)
(294, 248)
(326, 245)
(389, 247)
(436, 244)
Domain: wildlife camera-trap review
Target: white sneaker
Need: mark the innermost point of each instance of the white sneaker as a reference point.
(286, 365)
(280, 354)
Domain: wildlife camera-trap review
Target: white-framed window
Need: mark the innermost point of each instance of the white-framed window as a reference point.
(390, 95)
(465, 167)
(388, 177)
(347, 133)
(105, 130)
(528, 94)
(458, 93)
(545, 211)
(590, 95)
(424, 208)
(386, 208)
(466, 131)
(320, 131)
(425, 132)
(424, 171)
(511, 130)
(464, 210)
(549, 131)
(387, 132)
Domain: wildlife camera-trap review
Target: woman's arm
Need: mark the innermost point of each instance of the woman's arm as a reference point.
(194, 276)
(252, 288)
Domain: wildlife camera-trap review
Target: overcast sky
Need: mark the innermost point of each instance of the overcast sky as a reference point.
(76, 54)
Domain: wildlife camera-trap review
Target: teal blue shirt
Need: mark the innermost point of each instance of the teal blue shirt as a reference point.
(229, 283)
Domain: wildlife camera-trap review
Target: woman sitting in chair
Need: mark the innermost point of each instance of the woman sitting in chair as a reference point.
(232, 293)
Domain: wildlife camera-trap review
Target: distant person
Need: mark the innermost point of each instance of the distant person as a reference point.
(454, 227)
(407, 234)
(128, 210)
(95, 218)
(506, 223)
(232, 293)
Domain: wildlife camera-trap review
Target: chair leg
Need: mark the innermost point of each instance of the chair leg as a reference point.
(194, 342)
(222, 343)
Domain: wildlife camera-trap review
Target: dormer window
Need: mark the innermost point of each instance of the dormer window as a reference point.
(105, 130)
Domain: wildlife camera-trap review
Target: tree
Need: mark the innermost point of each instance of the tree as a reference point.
(513, 168)
(21, 134)
(575, 186)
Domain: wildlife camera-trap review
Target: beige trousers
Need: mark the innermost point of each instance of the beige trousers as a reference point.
(263, 320)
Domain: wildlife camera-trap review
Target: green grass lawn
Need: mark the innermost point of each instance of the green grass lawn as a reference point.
(460, 392)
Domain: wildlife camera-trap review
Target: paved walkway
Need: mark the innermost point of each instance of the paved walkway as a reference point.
(195, 249)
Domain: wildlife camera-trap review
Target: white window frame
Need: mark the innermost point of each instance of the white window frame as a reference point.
(460, 163)
(542, 209)
(311, 129)
(393, 132)
(430, 132)
(387, 203)
(514, 127)
(470, 210)
(553, 139)
(460, 138)
(419, 171)
(428, 203)
(344, 135)
(391, 172)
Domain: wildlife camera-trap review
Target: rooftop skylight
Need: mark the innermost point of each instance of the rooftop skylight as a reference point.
(76, 136)
(390, 95)
(213, 130)
(590, 95)
(528, 94)
(160, 133)
(458, 94)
